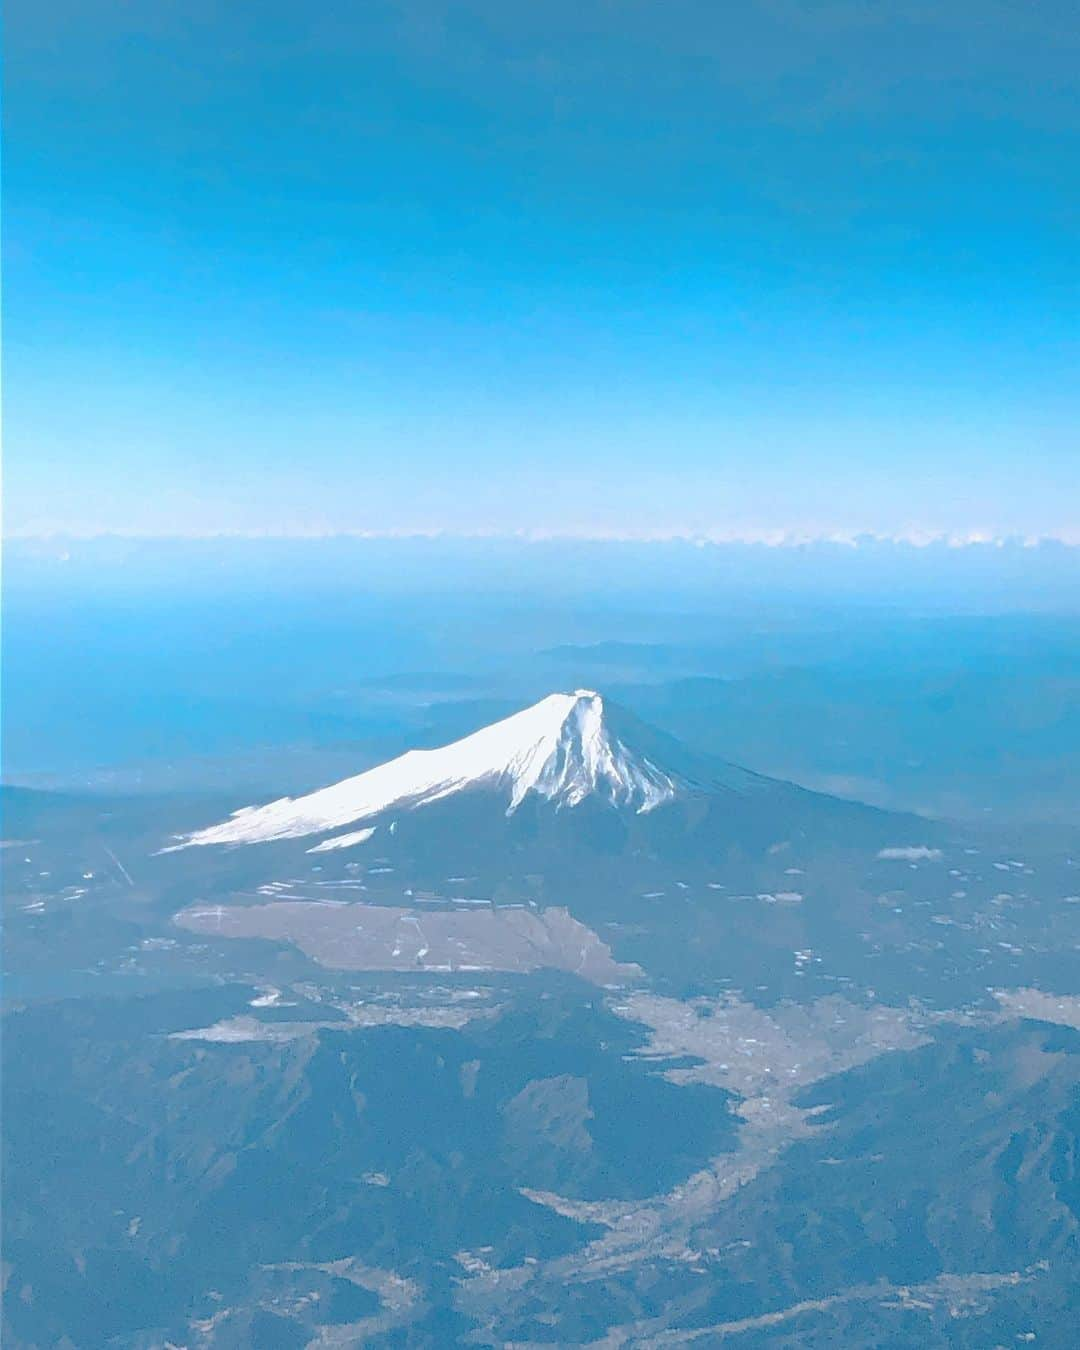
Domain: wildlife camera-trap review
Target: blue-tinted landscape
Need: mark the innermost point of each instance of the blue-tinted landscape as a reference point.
(540, 760)
(717, 981)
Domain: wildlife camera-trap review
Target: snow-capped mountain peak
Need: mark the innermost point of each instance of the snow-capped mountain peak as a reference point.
(562, 749)
(578, 756)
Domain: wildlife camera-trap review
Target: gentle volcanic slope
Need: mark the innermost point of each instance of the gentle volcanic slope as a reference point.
(561, 748)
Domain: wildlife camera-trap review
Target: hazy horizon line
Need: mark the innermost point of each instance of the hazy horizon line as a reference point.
(775, 538)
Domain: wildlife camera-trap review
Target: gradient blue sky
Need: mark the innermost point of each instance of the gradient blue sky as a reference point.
(588, 266)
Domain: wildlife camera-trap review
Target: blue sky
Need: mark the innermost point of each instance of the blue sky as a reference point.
(592, 267)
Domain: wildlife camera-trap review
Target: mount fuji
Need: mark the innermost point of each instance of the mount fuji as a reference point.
(571, 755)
(562, 750)
(571, 806)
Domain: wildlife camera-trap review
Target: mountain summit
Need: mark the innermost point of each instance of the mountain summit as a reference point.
(562, 749)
